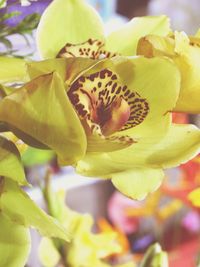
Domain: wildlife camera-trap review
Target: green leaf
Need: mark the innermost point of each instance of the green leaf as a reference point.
(14, 243)
(29, 23)
(10, 162)
(6, 42)
(124, 41)
(76, 22)
(33, 156)
(16, 204)
(12, 69)
(41, 114)
(2, 3)
(10, 15)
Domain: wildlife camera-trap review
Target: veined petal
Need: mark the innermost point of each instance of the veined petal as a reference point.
(15, 243)
(72, 21)
(185, 52)
(41, 114)
(12, 70)
(137, 183)
(124, 41)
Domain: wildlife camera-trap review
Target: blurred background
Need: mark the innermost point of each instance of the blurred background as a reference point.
(169, 216)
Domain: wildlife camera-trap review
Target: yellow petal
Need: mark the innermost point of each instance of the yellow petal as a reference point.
(180, 144)
(68, 69)
(124, 41)
(137, 183)
(71, 21)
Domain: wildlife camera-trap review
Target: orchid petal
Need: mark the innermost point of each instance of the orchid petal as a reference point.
(181, 144)
(72, 21)
(137, 183)
(41, 114)
(149, 152)
(124, 41)
(68, 69)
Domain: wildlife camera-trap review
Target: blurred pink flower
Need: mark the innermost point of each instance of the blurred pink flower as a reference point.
(117, 206)
(192, 221)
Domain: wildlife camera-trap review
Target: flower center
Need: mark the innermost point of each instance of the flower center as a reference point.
(105, 105)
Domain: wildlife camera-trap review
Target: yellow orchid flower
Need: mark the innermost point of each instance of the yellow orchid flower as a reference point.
(184, 51)
(79, 31)
(104, 116)
(108, 117)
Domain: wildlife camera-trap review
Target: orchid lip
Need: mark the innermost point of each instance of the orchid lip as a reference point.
(105, 105)
(93, 49)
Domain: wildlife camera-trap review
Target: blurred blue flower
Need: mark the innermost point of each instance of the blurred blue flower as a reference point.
(14, 6)
(143, 243)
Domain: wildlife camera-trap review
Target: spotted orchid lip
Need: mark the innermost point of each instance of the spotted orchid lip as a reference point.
(92, 48)
(105, 105)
